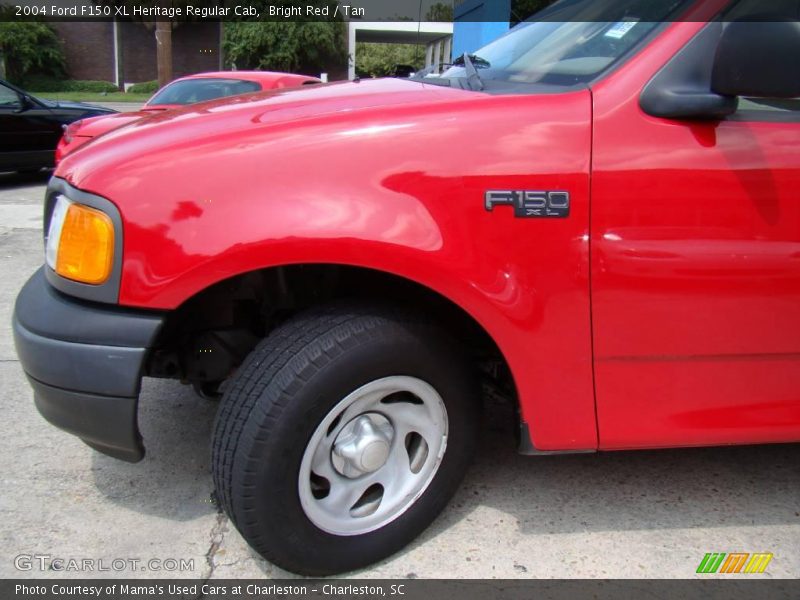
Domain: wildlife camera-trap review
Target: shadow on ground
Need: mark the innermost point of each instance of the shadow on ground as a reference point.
(632, 490)
(173, 480)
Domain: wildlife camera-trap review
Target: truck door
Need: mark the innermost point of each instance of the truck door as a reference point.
(695, 259)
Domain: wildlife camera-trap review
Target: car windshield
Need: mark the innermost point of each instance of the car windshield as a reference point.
(569, 43)
(190, 91)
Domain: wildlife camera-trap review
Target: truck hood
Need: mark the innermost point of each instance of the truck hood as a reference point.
(235, 118)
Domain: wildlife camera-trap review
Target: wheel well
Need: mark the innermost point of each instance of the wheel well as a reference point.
(204, 340)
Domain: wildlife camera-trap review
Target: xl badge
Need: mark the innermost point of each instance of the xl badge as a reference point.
(530, 203)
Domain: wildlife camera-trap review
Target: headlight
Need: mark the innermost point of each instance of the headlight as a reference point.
(80, 242)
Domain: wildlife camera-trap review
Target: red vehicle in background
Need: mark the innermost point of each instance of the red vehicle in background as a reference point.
(596, 218)
(199, 87)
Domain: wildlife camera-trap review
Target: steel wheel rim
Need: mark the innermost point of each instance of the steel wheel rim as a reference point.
(345, 487)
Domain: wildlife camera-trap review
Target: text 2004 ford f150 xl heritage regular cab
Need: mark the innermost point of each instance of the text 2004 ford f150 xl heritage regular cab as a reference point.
(600, 219)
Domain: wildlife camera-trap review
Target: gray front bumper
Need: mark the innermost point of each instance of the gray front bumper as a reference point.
(85, 363)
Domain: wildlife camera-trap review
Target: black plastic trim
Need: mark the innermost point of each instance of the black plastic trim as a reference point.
(106, 424)
(682, 88)
(42, 310)
(690, 72)
(109, 290)
(527, 448)
(85, 363)
(106, 370)
(758, 58)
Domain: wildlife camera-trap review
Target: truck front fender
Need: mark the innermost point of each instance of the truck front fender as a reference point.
(404, 194)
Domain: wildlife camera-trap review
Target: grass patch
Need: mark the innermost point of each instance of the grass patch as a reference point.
(146, 87)
(93, 97)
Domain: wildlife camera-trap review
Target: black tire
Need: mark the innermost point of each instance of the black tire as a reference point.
(282, 392)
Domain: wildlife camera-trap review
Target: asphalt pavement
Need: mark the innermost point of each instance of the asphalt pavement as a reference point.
(649, 514)
(121, 106)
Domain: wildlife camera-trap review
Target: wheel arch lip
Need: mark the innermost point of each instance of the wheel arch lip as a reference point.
(475, 300)
(429, 252)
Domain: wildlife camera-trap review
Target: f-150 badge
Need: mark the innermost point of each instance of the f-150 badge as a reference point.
(528, 203)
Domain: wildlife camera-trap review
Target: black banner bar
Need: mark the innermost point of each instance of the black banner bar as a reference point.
(713, 588)
(383, 10)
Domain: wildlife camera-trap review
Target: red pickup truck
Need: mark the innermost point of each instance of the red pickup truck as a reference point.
(598, 219)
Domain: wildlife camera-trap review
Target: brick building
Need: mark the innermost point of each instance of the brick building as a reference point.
(125, 52)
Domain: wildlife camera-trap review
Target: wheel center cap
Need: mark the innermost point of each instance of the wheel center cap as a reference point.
(374, 455)
(363, 445)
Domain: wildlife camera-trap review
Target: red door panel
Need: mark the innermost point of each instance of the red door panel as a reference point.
(695, 271)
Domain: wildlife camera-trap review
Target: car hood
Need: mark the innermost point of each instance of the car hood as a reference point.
(198, 126)
(94, 126)
(82, 106)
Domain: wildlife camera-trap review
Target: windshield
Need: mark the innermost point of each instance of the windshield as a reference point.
(569, 43)
(190, 91)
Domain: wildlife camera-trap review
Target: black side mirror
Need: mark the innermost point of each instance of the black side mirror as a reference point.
(758, 58)
(682, 89)
(24, 103)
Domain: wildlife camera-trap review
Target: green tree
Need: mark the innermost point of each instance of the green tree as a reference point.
(379, 60)
(30, 47)
(440, 12)
(302, 46)
(298, 46)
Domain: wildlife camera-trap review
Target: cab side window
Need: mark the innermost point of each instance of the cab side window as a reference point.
(766, 109)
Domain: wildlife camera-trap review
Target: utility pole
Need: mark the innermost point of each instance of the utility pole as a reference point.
(119, 77)
(164, 51)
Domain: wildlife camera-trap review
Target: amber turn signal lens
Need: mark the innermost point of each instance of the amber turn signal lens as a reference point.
(86, 246)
